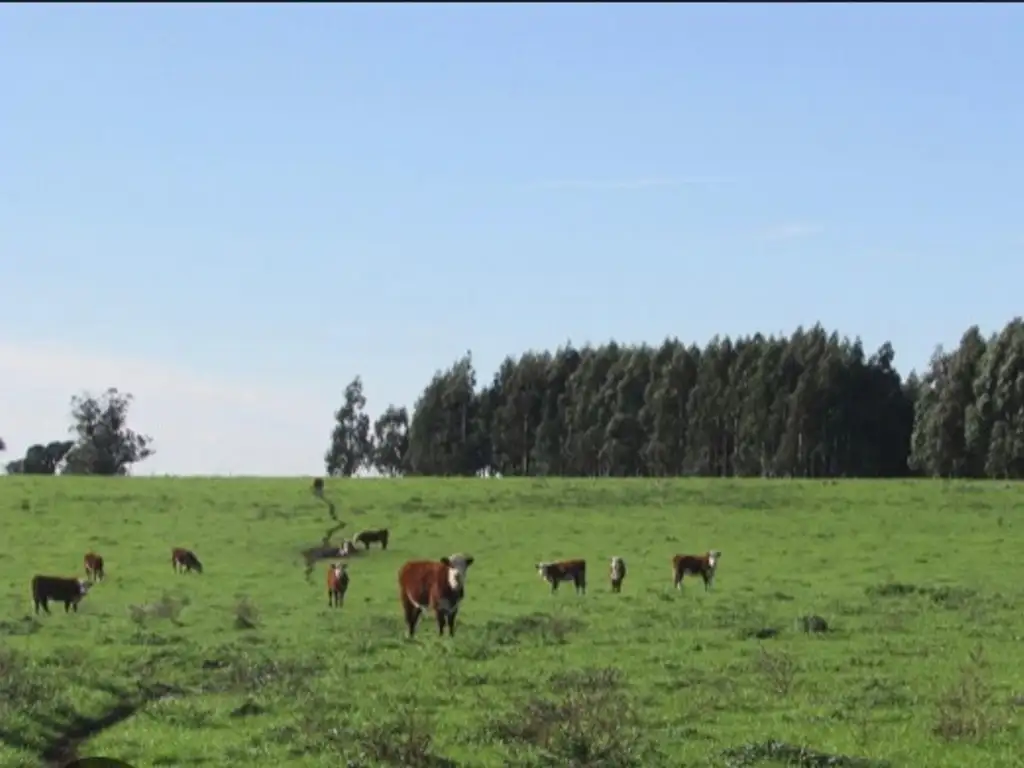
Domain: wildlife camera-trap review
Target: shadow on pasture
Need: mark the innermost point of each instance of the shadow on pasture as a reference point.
(325, 550)
(66, 730)
(779, 752)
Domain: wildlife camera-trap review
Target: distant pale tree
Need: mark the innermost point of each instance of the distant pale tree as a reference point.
(351, 447)
(391, 441)
(105, 444)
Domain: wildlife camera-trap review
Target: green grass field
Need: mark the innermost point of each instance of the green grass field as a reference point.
(922, 584)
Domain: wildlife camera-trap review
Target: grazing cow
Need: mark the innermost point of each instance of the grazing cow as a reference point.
(337, 584)
(565, 570)
(93, 566)
(431, 584)
(368, 537)
(703, 565)
(64, 590)
(318, 486)
(618, 573)
(185, 560)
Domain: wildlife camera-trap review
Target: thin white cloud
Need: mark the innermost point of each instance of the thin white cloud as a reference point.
(200, 424)
(790, 232)
(631, 183)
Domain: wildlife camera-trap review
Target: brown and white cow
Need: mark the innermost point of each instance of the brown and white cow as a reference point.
(93, 566)
(617, 573)
(701, 565)
(337, 584)
(368, 537)
(564, 570)
(185, 560)
(438, 585)
(63, 590)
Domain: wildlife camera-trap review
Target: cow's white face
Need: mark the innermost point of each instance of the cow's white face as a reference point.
(542, 570)
(456, 579)
(461, 564)
(713, 557)
(84, 585)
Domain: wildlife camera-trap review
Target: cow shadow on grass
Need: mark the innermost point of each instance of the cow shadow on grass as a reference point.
(64, 730)
(325, 550)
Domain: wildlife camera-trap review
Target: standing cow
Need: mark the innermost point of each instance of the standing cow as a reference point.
(185, 561)
(617, 573)
(93, 566)
(438, 585)
(368, 537)
(702, 565)
(337, 584)
(63, 590)
(564, 570)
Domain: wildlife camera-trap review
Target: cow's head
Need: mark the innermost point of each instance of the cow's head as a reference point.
(616, 561)
(713, 557)
(84, 585)
(461, 563)
(542, 570)
(456, 573)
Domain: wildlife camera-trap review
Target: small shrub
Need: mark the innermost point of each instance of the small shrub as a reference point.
(891, 589)
(813, 624)
(542, 627)
(404, 740)
(779, 753)
(22, 684)
(249, 673)
(778, 668)
(247, 615)
(945, 596)
(966, 710)
(167, 607)
(592, 723)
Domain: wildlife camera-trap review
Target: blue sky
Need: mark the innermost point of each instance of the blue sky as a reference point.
(230, 211)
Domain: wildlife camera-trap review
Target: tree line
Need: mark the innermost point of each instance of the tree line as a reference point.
(102, 443)
(814, 404)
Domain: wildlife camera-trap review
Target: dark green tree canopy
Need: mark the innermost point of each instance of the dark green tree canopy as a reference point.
(814, 404)
(103, 444)
(351, 447)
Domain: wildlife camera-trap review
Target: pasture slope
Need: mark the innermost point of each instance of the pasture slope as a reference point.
(922, 584)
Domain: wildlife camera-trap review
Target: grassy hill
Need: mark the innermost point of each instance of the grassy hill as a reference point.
(922, 584)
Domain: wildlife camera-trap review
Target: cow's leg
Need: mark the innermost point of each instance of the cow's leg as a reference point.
(554, 586)
(412, 615)
(330, 598)
(451, 622)
(442, 619)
